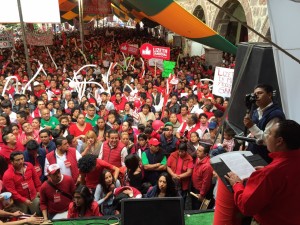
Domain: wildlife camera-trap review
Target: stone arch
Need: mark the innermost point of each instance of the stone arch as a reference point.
(225, 25)
(199, 13)
(265, 30)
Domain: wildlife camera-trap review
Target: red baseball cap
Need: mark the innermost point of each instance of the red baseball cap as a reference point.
(53, 168)
(57, 92)
(205, 86)
(154, 141)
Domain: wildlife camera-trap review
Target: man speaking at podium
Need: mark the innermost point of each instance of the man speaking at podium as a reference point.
(271, 194)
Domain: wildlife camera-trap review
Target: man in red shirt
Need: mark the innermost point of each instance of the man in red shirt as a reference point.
(119, 102)
(56, 193)
(65, 157)
(202, 175)
(37, 89)
(38, 111)
(90, 169)
(23, 182)
(277, 183)
(10, 145)
(180, 167)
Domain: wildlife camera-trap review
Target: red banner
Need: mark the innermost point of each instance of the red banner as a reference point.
(96, 7)
(146, 51)
(161, 52)
(124, 48)
(132, 50)
(149, 51)
(129, 49)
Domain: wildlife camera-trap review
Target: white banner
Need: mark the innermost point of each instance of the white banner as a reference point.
(34, 11)
(159, 63)
(281, 13)
(223, 82)
(6, 39)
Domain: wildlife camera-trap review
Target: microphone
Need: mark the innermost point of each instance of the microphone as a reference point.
(250, 140)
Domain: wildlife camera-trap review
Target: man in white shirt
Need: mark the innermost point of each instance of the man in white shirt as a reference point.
(7, 109)
(104, 101)
(157, 99)
(66, 157)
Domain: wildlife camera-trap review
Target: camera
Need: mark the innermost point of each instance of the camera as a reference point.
(250, 99)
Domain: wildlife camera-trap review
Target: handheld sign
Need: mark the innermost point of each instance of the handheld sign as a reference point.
(168, 68)
(149, 51)
(223, 82)
(124, 48)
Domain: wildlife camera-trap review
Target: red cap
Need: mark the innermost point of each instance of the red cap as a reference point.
(154, 141)
(57, 92)
(53, 168)
(205, 86)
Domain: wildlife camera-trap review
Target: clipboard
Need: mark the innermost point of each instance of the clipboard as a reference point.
(222, 169)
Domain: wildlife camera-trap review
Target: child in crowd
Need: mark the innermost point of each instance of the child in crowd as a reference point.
(227, 145)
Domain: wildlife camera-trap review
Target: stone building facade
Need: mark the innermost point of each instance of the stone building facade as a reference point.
(255, 11)
(252, 12)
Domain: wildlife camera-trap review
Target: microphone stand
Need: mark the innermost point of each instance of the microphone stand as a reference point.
(246, 129)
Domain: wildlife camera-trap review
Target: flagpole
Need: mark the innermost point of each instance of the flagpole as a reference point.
(80, 5)
(25, 43)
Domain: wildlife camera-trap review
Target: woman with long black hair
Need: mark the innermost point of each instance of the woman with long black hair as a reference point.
(165, 187)
(83, 204)
(104, 192)
(134, 172)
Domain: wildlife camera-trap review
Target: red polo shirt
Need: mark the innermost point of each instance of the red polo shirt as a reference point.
(92, 178)
(202, 175)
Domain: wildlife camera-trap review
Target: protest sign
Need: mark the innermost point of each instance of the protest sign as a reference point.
(156, 62)
(133, 50)
(161, 52)
(168, 68)
(39, 38)
(124, 48)
(6, 39)
(223, 82)
(146, 51)
(149, 51)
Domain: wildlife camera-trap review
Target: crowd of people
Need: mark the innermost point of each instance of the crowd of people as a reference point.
(135, 135)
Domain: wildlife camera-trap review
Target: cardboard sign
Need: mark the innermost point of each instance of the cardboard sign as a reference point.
(149, 51)
(223, 82)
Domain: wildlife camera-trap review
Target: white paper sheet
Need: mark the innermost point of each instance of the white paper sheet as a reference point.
(238, 164)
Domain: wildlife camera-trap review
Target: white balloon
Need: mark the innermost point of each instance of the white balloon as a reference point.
(73, 84)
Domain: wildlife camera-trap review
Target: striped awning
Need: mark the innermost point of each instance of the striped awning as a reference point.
(69, 10)
(131, 13)
(167, 13)
(172, 16)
